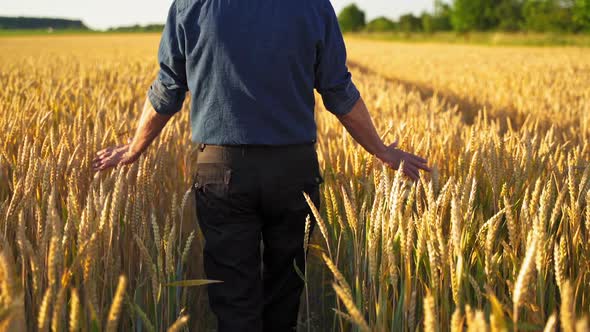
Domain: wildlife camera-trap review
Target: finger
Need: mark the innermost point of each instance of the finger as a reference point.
(110, 150)
(425, 168)
(411, 176)
(97, 160)
(96, 165)
(395, 167)
(413, 173)
(101, 162)
(414, 157)
(99, 157)
(105, 164)
(420, 165)
(419, 159)
(410, 171)
(105, 154)
(103, 151)
(104, 167)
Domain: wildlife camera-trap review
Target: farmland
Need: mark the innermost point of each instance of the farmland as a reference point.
(496, 238)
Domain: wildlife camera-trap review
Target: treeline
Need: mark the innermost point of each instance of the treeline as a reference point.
(138, 28)
(34, 23)
(571, 16)
(37, 23)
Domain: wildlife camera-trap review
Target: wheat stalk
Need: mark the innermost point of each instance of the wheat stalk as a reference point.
(75, 311)
(566, 312)
(352, 309)
(524, 276)
(179, 324)
(430, 320)
(115, 310)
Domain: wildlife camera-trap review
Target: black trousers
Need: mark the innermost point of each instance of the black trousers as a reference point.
(247, 196)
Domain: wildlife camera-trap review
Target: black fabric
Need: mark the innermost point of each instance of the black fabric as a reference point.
(250, 198)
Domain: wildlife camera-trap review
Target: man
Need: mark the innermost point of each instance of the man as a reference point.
(251, 68)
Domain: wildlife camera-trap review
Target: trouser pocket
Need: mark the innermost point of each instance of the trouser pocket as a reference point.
(213, 179)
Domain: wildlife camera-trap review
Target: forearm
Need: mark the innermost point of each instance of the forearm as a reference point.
(150, 126)
(359, 124)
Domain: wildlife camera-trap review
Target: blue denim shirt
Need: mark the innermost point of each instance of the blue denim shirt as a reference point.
(251, 67)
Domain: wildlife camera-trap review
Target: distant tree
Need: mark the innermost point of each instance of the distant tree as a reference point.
(537, 15)
(465, 15)
(549, 15)
(410, 23)
(138, 28)
(380, 24)
(26, 23)
(471, 15)
(582, 14)
(509, 14)
(427, 22)
(351, 19)
(441, 20)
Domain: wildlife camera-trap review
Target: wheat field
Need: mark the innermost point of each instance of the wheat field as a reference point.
(497, 238)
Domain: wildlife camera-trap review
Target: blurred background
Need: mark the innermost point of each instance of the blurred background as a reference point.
(488, 21)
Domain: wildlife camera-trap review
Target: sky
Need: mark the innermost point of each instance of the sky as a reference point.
(102, 14)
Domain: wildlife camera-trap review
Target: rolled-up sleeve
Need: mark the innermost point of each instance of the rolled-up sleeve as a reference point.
(332, 79)
(168, 91)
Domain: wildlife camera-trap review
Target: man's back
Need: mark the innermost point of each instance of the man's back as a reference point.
(252, 66)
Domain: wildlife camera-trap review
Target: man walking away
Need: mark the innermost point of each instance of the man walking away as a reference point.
(251, 68)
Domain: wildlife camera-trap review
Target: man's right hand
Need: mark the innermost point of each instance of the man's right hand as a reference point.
(393, 157)
(112, 157)
(150, 125)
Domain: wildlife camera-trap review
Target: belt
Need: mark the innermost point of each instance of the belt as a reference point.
(242, 147)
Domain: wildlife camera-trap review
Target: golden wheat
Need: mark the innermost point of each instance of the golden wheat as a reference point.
(505, 130)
